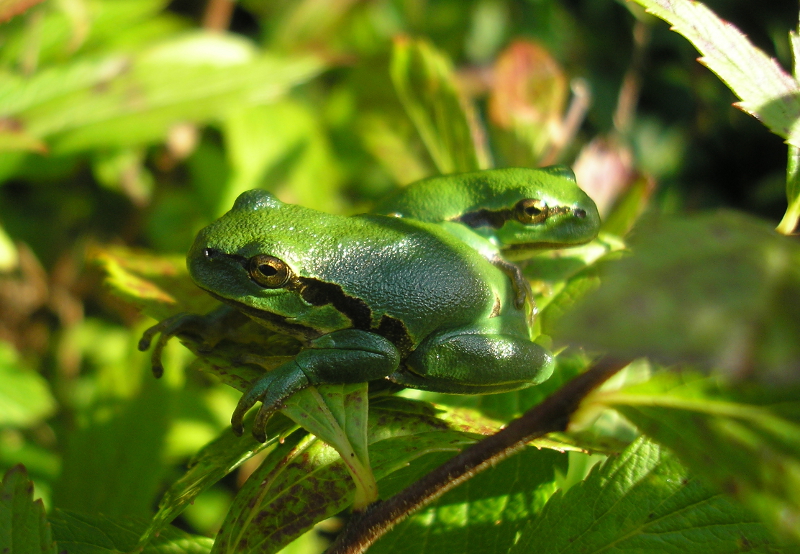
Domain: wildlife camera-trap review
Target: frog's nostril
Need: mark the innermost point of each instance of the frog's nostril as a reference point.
(579, 213)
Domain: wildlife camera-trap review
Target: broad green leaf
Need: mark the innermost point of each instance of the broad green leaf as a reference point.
(25, 397)
(425, 83)
(113, 463)
(483, 515)
(389, 140)
(129, 100)
(643, 501)
(337, 415)
(745, 439)
(282, 147)
(216, 460)
(720, 290)
(303, 481)
(766, 91)
(23, 526)
(79, 533)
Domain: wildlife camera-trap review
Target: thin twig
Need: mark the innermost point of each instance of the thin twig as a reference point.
(217, 16)
(551, 415)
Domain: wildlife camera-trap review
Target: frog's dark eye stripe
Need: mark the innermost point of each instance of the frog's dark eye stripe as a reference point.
(268, 271)
(528, 211)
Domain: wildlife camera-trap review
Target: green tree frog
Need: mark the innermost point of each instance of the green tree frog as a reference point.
(421, 299)
(505, 214)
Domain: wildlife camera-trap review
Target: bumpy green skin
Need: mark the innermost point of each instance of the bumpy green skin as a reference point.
(372, 297)
(465, 202)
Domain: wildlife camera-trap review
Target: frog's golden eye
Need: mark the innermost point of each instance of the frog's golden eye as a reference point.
(531, 210)
(268, 271)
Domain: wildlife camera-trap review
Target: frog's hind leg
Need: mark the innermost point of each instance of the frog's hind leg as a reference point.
(474, 362)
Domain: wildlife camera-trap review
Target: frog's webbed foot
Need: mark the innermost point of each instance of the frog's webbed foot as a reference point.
(522, 288)
(344, 356)
(272, 390)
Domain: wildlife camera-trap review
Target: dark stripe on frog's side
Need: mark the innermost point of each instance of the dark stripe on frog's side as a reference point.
(497, 218)
(321, 293)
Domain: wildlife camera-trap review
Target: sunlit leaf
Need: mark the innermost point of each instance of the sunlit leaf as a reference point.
(134, 99)
(789, 224)
(766, 91)
(745, 439)
(282, 147)
(643, 501)
(158, 285)
(425, 83)
(23, 526)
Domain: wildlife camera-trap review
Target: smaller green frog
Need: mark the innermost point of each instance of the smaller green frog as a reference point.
(505, 214)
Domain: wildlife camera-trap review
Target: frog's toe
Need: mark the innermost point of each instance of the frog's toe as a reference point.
(247, 401)
(260, 423)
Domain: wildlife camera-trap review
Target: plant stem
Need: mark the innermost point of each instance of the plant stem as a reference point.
(551, 415)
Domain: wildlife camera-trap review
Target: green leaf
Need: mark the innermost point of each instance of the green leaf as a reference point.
(283, 147)
(337, 414)
(114, 462)
(303, 481)
(25, 397)
(130, 100)
(720, 290)
(483, 515)
(766, 91)
(789, 223)
(79, 533)
(425, 83)
(158, 285)
(745, 439)
(643, 501)
(23, 526)
(216, 460)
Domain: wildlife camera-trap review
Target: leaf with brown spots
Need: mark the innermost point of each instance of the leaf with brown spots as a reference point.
(304, 481)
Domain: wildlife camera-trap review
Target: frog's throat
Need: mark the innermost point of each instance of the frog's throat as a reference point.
(525, 246)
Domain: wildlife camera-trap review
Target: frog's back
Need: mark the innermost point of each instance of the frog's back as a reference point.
(413, 272)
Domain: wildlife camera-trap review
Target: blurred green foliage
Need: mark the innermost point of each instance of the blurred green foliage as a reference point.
(129, 124)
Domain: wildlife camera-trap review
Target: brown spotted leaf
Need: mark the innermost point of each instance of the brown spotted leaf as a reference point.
(303, 481)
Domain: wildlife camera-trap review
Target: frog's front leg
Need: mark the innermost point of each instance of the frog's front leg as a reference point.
(477, 360)
(522, 288)
(209, 328)
(340, 357)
